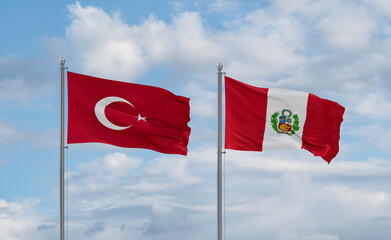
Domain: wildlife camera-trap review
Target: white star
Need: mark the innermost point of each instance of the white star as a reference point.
(141, 118)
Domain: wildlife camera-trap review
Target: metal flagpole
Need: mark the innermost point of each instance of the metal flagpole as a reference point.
(219, 154)
(62, 232)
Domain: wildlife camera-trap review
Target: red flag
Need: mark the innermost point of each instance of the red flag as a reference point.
(263, 119)
(126, 115)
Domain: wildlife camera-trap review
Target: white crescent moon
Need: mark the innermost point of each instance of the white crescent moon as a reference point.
(100, 112)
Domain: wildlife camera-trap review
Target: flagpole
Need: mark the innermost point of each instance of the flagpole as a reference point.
(219, 154)
(62, 147)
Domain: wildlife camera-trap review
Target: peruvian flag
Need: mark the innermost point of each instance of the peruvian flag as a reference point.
(266, 119)
(126, 115)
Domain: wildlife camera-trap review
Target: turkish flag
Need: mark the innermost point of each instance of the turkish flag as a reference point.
(266, 119)
(126, 115)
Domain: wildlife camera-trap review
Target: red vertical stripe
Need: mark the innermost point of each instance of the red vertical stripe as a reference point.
(245, 119)
(321, 128)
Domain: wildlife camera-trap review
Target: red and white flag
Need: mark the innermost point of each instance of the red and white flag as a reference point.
(126, 115)
(265, 119)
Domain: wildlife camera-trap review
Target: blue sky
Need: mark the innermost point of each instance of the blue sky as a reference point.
(339, 50)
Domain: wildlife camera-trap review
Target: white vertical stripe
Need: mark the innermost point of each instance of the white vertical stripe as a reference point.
(279, 99)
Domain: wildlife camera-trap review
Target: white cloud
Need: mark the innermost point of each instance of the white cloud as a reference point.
(381, 7)
(263, 45)
(11, 86)
(111, 166)
(103, 42)
(304, 45)
(367, 105)
(203, 102)
(166, 219)
(285, 164)
(131, 50)
(12, 134)
(8, 134)
(306, 197)
(224, 6)
(309, 198)
(290, 195)
(347, 25)
(23, 81)
(311, 236)
(21, 220)
(308, 45)
(367, 136)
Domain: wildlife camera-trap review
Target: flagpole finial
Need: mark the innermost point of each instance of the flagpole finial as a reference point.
(219, 67)
(62, 61)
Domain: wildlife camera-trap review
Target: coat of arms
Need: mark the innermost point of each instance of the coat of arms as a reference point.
(282, 122)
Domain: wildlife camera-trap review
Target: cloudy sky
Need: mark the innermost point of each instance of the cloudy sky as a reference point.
(338, 50)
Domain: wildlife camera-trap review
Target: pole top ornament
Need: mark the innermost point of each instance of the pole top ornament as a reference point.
(219, 67)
